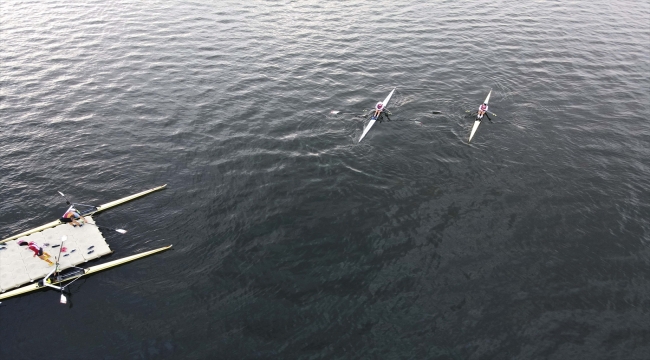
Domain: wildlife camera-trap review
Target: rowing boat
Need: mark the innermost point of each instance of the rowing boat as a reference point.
(79, 272)
(478, 118)
(372, 121)
(89, 212)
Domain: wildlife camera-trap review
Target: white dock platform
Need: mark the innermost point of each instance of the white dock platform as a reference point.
(19, 266)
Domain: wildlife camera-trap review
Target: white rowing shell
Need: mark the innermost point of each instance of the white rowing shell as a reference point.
(478, 122)
(372, 122)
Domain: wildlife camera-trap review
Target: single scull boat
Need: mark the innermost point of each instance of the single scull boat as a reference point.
(478, 119)
(90, 212)
(77, 273)
(372, 121)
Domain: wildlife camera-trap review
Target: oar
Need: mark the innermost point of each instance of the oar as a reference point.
(66, 199)
(121, 231)
(71, 203)
(417, 121)
(63, 299)
(493, 114)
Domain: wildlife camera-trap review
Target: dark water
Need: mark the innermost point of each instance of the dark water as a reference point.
(291, 240)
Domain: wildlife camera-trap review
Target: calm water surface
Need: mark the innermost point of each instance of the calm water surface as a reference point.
(292, 240)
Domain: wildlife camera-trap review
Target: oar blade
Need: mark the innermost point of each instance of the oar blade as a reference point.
(121, 231)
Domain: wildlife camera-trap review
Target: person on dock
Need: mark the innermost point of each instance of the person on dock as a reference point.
(481, 110)
(37, 249)
(71, 216)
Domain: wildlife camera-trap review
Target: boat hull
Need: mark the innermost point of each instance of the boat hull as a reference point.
(474, 128)
(92, 212)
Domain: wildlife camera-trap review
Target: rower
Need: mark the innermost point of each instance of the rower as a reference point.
(482, 110)
(37, 249)
(71, 216)
(378, 109)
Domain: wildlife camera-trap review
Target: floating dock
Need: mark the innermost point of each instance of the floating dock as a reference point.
(19, 266)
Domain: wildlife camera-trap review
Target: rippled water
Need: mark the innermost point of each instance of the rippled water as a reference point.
(291, 239)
